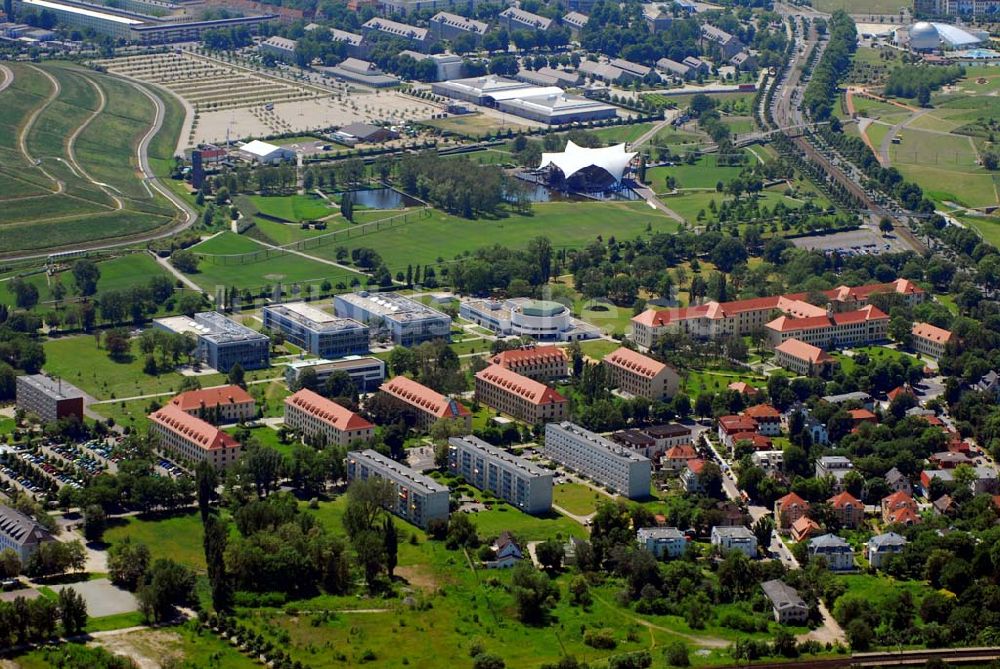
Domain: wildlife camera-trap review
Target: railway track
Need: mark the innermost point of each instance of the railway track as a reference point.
(979, 655)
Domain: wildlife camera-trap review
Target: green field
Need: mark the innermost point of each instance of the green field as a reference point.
(861, 7)
(293, 207)
(287, 268)
(704, 173)
(178, 537)
(86, 129)
(473, 126)
(566, 224)
(598, 348)
(577, 498)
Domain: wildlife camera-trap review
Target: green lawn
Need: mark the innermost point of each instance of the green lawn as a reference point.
(699, 381)
(566, 224)
(115, 622)
(598, 348)
(178, 537)
(987, 226)
(577, 498)
(293, 207)
(704, 173)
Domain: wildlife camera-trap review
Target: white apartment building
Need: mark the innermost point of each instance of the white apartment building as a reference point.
(607, 463)
(520, 482)
(419, 499)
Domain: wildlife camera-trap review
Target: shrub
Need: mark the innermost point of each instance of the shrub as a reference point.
(603, 639)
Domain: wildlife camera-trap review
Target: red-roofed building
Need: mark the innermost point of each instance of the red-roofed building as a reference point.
(849, 328)
(789, 509)
(640, 375)
(930, 340)
(900, 390)
(802, 358)
(191, 438)
(733, 425)
(860, 416)
(768, 418)
(429, 405)
(676, 457)
(518, 396)
(843, 298)
(691, 475)
(847, 509)
(226, 404)
(899, 508)
(541, 363)
(743, 388)
(320, 419)
(804, 528)
(759, 442)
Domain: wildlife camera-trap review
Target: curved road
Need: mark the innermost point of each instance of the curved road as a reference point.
(8, 77)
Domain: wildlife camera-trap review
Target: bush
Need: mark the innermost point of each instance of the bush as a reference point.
(603, 639)
(676, 654)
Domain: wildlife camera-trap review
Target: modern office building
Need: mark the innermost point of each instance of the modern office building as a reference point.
(735, 538)
(221, 342)
(604, 461)
(662, 541)
(192, 438)
(419, 499)
(429, 405)
(225, 404)
(522, 317)
(740, 318)
(21, 534)
(641, 376)
(320, 419)
(489, 90)
(525, 399)
(788, 606)
(48, 398)
(317, 331)
(408, 322)
(520, 482)
(930, 340)
(542, 363)
(366, 372)
(558, 108)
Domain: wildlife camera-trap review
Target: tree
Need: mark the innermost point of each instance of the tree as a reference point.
(390, 540)
(72, 611)
(728, 253)
(237, 376)
(216, 538)
(885, 225)
(367, 501)
(85, 276)
(184, 260)
(206, 481)
(579, 591)
(550, 554)
(370, 549)
(534, 593)
(25, 293)
(262, 465)
(859, 635)
(676, 654)
(488, 661)
(762, 530)
(128, 561)
(10, 563)
(95, 521)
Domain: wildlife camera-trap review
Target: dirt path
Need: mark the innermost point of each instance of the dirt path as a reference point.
(8, 77)
(22, 137)
(71, 145)
(704, 642)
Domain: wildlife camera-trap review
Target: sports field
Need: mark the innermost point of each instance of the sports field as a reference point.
(68, 159)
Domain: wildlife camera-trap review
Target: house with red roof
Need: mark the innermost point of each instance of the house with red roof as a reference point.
(225, 404)
(847, 509)
(860, 416)
(541, 363)
(844, 298)
(319, 419)
(949, 459)
(691, 475)
(191, 438)
(930, 340)
(849, 328)
(428, 405)
(802, 358)
(676, 457)
(743, 388)
(898, 391)
(899, 508)
(789, 509)
(759, 442)
(804, 528)
(768, 419)
(641, 376)
(729, 426)
(525, 399)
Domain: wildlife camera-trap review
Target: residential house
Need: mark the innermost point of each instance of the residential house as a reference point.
(804, 528)
(899, 508)
(737, 538)
(730, 426)
(847, 509)
(802, 358)
(835, 466)
(662, 541)
(930, 340)
(768, 419)
(898, 481)
(789, 509)
(788, 607)
(506, 551)
(881, 547)
(691, 475)
(676, 458)
(836, 551)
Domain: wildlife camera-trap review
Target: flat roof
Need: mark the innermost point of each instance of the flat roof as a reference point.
(499, 454)
(314, 318)
(82, 11)
(212, 326)
(597, 441)
(401, 471)
(347, 362)
(54, 387)
(393, 307)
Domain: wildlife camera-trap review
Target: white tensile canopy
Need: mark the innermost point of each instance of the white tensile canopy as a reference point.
(612, 159)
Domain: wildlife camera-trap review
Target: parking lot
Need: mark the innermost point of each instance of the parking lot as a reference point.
(850, 242)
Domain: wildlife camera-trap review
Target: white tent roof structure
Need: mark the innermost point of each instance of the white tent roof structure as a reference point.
(259, 148)
(612, 159)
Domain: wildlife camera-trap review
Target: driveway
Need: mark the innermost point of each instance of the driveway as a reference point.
(103, 598)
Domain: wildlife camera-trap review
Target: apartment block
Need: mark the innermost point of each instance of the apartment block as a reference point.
(318, 418)
(317, 331)
(930, 340)
(662, 541)
(193, 439)
(541, 363)
(520, 482)
(513, 19)
(429, 405)
(591, 455)
(525, 399)
(21, 534)
(419, 499)
(735, 538)
(641, 376)
(48, 398)
(226, 404)
(418, 38)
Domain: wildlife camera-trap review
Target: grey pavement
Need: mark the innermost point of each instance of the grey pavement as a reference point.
(103, 598)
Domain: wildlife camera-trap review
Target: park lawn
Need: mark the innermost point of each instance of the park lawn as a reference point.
(78, 360)
(473, 126)
(966, 186)
(704, 173)
(715, 381)
(738, 124)
(505, 518)
(132, 413)
(934, 121)
(598, 348)
(178, 536)
(877, 589)
(442, 237)
(266, 436)
(876, 132)
(283, 234)
(610, 318)
(293, 208)
(115, 622)
(860, 7)
(690, 203)
(188, 645)
(621, 133)
(577, 498)
(987, 226)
